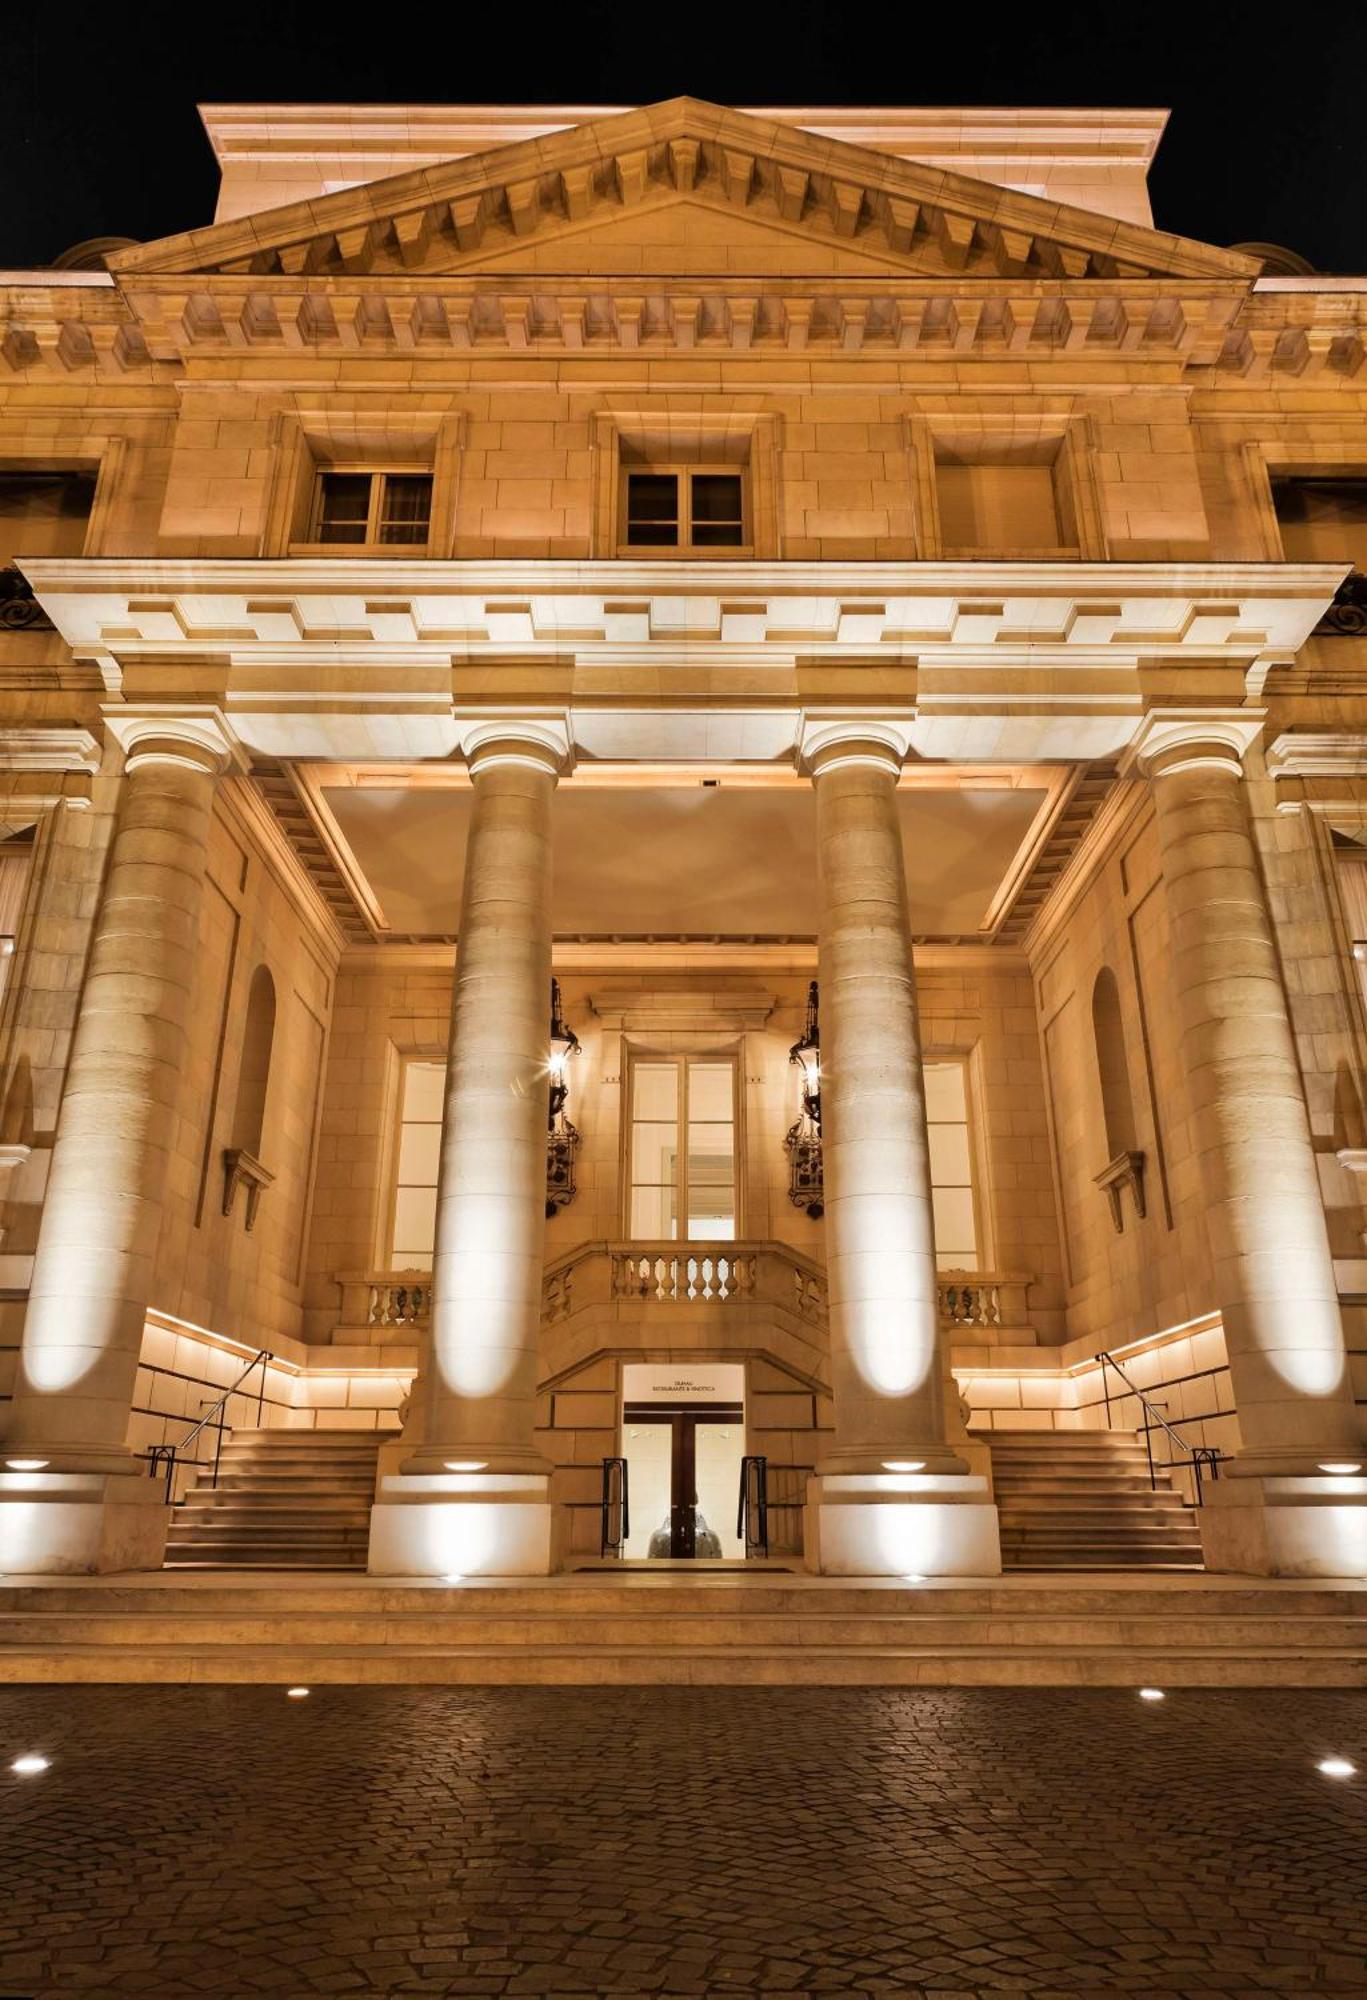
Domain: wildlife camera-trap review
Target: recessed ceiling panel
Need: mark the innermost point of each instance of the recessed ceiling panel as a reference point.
(687, 859)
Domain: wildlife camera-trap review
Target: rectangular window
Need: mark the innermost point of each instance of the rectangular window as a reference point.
(373, 509)
(412, 1232)
(681, 1149)
(951, 1166)
(1322, 520)
(689, 509)
(44, 513)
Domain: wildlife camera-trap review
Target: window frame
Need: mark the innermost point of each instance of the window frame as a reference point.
(955, 1058)
(681, 1059)
(406, 1059)
(378, 475)
(685, 549)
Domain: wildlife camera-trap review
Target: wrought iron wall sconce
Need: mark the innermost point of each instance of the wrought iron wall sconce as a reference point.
(562, 1140)
(806, 1175)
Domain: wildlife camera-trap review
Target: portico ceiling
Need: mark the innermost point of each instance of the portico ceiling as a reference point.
(688, 860)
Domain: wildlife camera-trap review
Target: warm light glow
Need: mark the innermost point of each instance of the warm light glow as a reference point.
(1336, 1767)
(29, 1766)
(904, 1465)
(466, 1464)
(25, 1464)
(454, 1576)
(1342, 1468)
(297, 1694)
(1152, 1694)
(913, 1576)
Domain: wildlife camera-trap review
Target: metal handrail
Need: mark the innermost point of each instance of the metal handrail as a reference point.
(1195, 1455)
(166, 1454)
(615, 1495)
(752, 1513)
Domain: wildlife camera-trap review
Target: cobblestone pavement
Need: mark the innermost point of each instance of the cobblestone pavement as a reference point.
(229, 1841)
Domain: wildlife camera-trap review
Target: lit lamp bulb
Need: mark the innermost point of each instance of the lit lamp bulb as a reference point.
(904, 1465)
(25, 1464)
(1340, 1468)
(465, 1464)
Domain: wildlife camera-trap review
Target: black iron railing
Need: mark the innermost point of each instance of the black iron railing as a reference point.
(752, 1514)
(1202, 1458)
(616, 1508)
(167, 1455)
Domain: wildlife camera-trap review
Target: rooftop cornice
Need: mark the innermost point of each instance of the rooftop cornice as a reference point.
(301, 131)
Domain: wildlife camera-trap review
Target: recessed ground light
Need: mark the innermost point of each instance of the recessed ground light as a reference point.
(25, 1464)
(1342, 1467)
(466, 1464)
(454, 1576)
(913, 1576)
(30, 1765)
(1152, 1694)
(904, 1465)
(1336, 1767)
(297, 1694)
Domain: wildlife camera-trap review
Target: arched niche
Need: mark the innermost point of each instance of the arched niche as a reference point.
(1124, 1161)
(242, 1162)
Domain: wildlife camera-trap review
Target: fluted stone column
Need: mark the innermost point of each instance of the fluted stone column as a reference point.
(80, 1501)
(471, 1493)
(891, 1495)
(1280, 1512)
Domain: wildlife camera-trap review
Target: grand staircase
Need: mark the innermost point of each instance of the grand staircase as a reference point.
(1073, 1500)
(285, 1499)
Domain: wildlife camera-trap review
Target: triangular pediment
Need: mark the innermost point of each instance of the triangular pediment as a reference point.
(749, 194)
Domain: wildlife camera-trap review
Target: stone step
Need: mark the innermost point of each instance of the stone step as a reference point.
(758, 1628)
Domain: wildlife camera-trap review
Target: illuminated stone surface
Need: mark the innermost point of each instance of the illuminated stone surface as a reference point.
(230, 1841)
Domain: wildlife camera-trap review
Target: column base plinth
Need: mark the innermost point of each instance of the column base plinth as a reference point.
(461, 1525)
(1307, 1526)
(81, 1523)
(890, 1524)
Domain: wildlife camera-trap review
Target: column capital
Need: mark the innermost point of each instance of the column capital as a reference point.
(539, 742)
(197, 738)
(1184, 739)
(833, 742)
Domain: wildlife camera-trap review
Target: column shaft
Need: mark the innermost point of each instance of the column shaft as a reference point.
(102, 1213)
(478, 1404)
(884, 1321)
(1274, 1276)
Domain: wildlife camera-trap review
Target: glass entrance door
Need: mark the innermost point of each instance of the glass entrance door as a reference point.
(684, 1468)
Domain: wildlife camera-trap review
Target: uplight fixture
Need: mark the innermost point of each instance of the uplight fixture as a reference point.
(454, 1576)
(1336, 1767)
(466, 1464)
(1152, 1694)
(904, 1465)
(31, 1765)
(1341, 1468)
(298, 1694)
(25, 1464)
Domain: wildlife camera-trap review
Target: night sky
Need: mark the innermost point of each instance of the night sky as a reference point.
(99, 134)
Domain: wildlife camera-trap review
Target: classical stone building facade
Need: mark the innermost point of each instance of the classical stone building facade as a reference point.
(800, 580)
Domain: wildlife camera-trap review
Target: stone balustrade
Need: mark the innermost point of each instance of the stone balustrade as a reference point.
(685, 1274)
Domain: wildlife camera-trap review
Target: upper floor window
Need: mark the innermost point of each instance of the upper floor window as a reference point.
(1322, 520)
(692, 509)
(413, 1216)
(681, 1149)
(951, 1166)
(373, 509)
(44, 513)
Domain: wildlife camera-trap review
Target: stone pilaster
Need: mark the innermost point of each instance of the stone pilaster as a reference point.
(1278, 1510)
(80, 1500)
(471, 1492)
(892, 1495)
